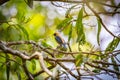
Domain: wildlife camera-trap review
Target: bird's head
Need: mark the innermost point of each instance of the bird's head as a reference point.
(56, 34)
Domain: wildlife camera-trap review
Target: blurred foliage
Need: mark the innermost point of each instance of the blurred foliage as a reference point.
(19, 22)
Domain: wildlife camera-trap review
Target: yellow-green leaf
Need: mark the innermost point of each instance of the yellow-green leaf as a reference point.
(33, 65)
(80, 28)
(79, 59)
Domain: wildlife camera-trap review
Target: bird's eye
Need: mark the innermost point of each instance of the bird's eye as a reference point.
(54, 34)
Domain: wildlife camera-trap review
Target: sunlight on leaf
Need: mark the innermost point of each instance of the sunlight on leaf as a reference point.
(35, 26)
(37, 20)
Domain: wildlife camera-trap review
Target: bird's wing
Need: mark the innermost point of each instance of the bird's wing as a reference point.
(59, 39)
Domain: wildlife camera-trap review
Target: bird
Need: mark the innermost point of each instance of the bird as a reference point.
(60, 41)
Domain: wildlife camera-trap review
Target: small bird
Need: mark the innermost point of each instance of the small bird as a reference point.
(60, 41)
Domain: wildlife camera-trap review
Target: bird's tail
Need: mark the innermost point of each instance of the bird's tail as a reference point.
(64, 47)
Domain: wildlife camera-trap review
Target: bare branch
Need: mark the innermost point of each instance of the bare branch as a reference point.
(106, 63)
(42, 64)
(67, 69)
(60, 59)
(102, 68)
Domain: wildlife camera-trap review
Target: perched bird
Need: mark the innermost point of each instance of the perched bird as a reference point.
(60, 41)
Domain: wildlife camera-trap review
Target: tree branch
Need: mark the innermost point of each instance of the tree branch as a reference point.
(42, 71)
(106, 63)
(42, 64)
(100, 20)
(102, 68)
(6, 49)
(30, 76)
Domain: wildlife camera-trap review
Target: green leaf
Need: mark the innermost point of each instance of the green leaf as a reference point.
(30, 3)
(33, 64)
(64, 23)
(96, 70)
(7, 67)
(18, 75)
(68, 11)
(8, 33)
(112, 45)
(19, 33)
(79, 59)
(98, 33)
(114, 62)
(80, 28)
(70, 33)
(45, 44)
(24, 31)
